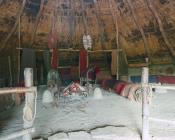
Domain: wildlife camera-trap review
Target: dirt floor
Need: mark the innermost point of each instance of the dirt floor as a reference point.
(111, 118)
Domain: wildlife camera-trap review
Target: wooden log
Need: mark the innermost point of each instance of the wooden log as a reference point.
(156, 15)
(15, 25)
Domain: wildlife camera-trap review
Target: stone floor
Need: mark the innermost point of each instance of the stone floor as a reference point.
(111, 118)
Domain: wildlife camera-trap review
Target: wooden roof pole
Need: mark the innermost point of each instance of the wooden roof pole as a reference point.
(15, 25)
(84, 18)
(98, 24)
(115, 20)
(156, 15)
(147, 51)
(72, 14)
(76, 22)
(1, 2)
(19, 52)
(37, 22)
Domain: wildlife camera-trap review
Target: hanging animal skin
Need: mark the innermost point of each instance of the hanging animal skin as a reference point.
(87, 42)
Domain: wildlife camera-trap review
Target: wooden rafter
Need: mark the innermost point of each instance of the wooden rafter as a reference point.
(73, 15)
(74, 8)
(1, 2)
(83, 16)
(37, 21)
(15, 25)
(115, 20)
(134, 15)
(101, 28)
(156, 15)
(98, 24)
(113, 10)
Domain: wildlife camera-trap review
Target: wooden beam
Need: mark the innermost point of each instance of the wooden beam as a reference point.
(115, 20)
(73, 50)
(156, 15)
(19, 52)
(17, 90)
(37, 22)
(99, 21)
(137, 65)
(113, 10)
(1, 2)
(15, 25)
(118, 50)
(84, 18)
(147, 51)
(72, 15)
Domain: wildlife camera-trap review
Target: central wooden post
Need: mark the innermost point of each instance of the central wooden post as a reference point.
(29, 108)
(145, 106)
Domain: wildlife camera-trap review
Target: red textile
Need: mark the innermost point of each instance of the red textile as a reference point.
(83, 61)
(119, 87)
(54, 60)
(166, 79)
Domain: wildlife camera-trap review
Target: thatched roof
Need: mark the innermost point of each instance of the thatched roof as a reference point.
(143, 28)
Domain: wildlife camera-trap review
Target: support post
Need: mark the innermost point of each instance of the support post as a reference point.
(145, 106)
(29, 108)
